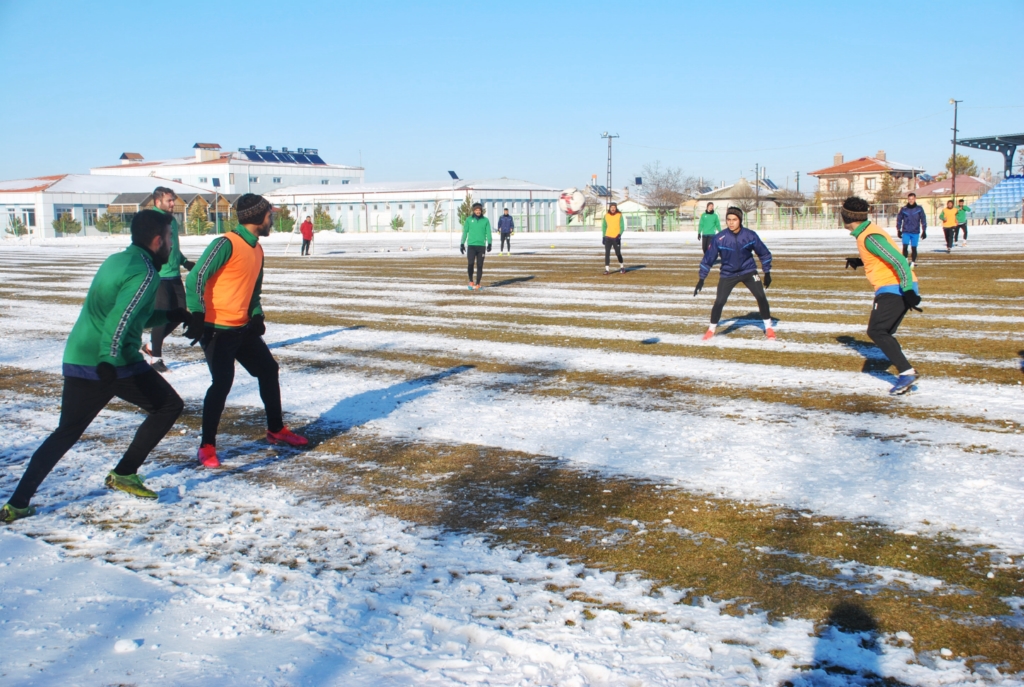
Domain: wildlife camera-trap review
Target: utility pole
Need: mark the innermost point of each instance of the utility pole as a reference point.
(954, 103)
(797, 181)
(757, 194)
(609, 137)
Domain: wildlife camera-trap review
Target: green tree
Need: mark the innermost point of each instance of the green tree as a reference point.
(66, 224)
(197, 222)
(397, 223)
(109, 224)
(466, 209)
(283, 220)
(17, 227)
(322, 219)
(964, 165)
(435, 218)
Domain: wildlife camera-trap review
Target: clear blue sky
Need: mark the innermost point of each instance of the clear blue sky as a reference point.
(518, 89)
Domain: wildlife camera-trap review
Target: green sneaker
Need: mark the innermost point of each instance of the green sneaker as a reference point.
(131, 484)
(9, 513)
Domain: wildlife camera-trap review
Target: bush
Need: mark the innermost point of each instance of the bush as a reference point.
(283, 220)
(66, 224)
(17, 227)
(109, 224)
(322, 219)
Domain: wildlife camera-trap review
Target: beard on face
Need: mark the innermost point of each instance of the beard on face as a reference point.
(268, 223)
(161, 256)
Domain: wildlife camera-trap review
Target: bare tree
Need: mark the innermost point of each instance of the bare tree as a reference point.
(834, 196)
(666, 189)
(745, 198)
(889, 194)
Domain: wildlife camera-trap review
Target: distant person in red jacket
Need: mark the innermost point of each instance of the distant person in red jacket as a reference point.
(307, 235)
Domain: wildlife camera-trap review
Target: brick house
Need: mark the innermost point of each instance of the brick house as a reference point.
(863, 176)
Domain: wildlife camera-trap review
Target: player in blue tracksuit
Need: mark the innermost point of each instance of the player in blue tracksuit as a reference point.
(505, 227)
(911, 225)
(736, 246)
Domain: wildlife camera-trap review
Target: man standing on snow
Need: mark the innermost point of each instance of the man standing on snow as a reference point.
(476, 234)
(894, 282)
(306, 228)
(911, 226)
(736, 247)
(223, 293)
(171, 294)
(102, 360)
(505, 228)
(709, 227)
(961, 221)
(612, 227)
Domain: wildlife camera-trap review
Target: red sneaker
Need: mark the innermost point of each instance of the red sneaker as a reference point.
(769, 334)
(286, 436)
(208, 456)
(708, 335)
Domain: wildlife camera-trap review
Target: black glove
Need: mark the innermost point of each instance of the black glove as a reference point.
(700, 285)
(188, 264)
(462, 248)
(911, 299)
(107, 373)
(899, 234)
(924, 235)
(854, 263)
(177, 316)
(196, 327)
(258, 325)
(767, 279)
(488, 248)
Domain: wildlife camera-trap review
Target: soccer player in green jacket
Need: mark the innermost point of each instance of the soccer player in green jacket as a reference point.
(476, 233)
(102, 360)
(171, 294)
(961, 222)
(709, 226)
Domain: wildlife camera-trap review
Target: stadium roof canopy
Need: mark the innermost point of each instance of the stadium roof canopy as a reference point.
(1005, 144)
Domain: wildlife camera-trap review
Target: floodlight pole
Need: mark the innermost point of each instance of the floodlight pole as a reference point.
(954, 103)
(609, 137)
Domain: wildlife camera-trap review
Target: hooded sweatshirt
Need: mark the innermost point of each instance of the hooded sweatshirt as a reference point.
(737, 254)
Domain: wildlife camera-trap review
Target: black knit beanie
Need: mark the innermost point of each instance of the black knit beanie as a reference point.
(251, 208)
(854, 210)
(736, 212)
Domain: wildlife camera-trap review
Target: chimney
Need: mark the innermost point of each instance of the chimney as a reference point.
(206, 151)
(880, 155)
(837, 159)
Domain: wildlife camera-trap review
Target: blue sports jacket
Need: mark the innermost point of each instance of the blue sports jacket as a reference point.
(911, 220)
(505, 224)
(737, 254)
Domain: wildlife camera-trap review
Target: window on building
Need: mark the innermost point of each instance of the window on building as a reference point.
(231, 177)
(59, 211)
(202, 180)
(374, 207)
(254, 180)
(28, 216)
(871, 184)
(277, 180)
(90, 217)
(344, 181)
(833, 184)
(399, 206)
(325, 182)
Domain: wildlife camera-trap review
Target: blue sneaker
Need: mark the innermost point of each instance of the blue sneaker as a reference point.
(904, 383)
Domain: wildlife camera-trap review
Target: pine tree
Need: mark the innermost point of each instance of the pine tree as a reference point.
(964, 166)
(17, 227)
(66, 224)
(397, 223)
(197, 222)
(109, 224)
(283, 220)
(322, 219)
(466, 209)
(435, 218)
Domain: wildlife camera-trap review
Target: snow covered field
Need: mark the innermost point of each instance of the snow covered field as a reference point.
(326, 567)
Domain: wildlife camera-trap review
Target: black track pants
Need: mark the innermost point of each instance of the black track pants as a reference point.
(506, 239)
(948, 231)
(171, 295)
(475, 255)
(886, 315)
(910, 252)
(81, 402)
(305, 247)
(725, 287)
(222, 348)
(610, 243)
(705, 242)
(964, 228)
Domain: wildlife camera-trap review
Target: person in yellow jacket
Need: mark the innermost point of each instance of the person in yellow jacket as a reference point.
(894, 282)
(950, 224)
(612, 227)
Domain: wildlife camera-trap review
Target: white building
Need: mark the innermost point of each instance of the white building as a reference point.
(38, 201)
(247, 171)
(373, 207)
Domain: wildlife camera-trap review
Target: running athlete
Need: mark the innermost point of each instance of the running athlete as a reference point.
(506, 225)
(709, 226)
(102, 360)
(961, 221)
(911, 226)
(171, 294)
(736, 246)
(223, 293)
(612, 227)
(894, 282)
(476, 233)
(949, 224)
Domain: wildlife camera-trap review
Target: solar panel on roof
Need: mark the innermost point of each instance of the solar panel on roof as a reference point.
(253, 157)
(268, 157)
(286, 157)
(316, 160)
(770, 184)
(301, 159)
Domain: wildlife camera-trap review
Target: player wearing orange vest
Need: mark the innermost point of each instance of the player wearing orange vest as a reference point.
(611, 235)
(223, 294)
(895, 285)
(950, 224)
